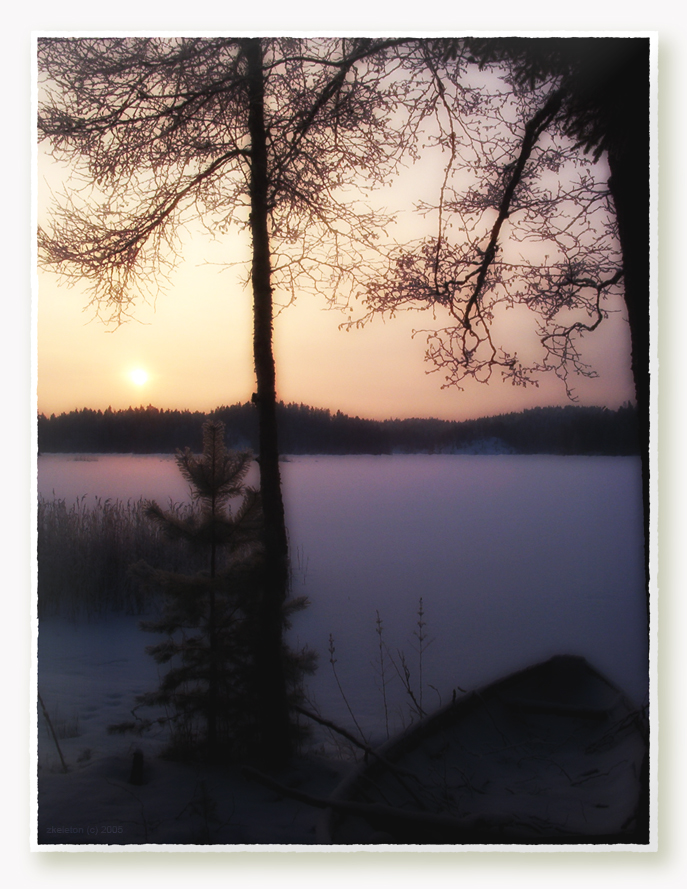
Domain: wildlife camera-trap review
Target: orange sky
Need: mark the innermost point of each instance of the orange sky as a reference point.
(195, 345)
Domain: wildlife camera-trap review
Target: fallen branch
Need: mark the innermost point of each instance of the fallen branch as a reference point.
(405, 826)
(52, 731)
(398, 773)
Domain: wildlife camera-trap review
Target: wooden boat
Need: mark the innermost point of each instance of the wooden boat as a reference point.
(554, 754)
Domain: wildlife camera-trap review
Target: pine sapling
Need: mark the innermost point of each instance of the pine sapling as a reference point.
(210, 618)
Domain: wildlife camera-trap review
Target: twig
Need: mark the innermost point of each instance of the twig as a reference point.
(393, 769)
(389, 815)
(332, 661)
(379, 630)
(52, 732)
(405, 679)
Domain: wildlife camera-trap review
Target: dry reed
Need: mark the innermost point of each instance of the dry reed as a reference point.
(85, 551)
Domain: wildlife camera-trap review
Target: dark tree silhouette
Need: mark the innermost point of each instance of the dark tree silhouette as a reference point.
(522, 147)
(212, 618)
(535, 225)
(603, 85)
(265, 133)
(547, 188)
(305, 430)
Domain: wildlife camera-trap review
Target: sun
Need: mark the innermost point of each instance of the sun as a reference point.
(139, 376)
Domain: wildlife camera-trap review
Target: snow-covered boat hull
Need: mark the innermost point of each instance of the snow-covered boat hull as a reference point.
(553, 754)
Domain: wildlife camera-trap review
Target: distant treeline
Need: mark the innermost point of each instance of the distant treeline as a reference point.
(307, 430)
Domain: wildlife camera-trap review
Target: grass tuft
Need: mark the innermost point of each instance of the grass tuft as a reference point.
(84, 554)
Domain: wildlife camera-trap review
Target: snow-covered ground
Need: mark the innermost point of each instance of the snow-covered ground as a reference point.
(515, 559)
(89, 675)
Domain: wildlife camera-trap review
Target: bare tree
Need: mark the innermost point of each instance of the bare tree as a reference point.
(544, 206)
(544, 211)
(265, 134)
(604, 90)
(524, 226)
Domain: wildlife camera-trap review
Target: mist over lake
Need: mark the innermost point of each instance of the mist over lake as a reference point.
(515, 558)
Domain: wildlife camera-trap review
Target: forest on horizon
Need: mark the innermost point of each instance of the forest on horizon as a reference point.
(568, 430)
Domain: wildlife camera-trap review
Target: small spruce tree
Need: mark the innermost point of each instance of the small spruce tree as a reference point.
(210, 619)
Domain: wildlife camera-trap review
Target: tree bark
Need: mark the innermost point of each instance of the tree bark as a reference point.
(272, 703)
(630, 189)
(629, 183)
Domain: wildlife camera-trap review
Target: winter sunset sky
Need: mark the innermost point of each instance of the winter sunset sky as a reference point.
(195, 347)
(190, 346)
(193, 350)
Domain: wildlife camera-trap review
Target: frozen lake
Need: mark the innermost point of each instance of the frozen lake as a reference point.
(515, 558)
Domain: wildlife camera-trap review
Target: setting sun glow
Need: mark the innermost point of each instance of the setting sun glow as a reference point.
(138, 376)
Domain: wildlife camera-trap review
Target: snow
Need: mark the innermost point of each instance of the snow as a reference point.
(515, 558)
(552, 751)
(88, 677)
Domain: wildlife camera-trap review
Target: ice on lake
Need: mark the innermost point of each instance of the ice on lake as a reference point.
(515, 558)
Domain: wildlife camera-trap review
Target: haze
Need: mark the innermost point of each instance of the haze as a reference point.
(195, 344)
(194, 339)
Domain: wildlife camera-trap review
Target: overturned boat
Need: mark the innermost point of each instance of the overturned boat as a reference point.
(553, 754)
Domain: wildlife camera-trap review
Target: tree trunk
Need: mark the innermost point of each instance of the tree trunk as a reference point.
(273, 712)
(630, 189)
(628, 158)
(629, 183)
(213, 678)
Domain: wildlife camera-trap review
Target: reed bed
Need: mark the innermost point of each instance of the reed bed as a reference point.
(85, 552)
